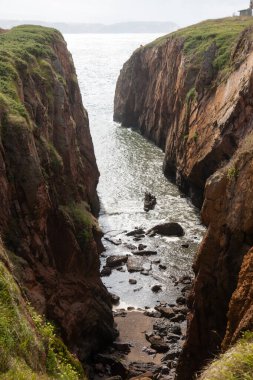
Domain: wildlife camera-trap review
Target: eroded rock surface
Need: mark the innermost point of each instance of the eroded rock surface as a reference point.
(201, 113)
(48, 178)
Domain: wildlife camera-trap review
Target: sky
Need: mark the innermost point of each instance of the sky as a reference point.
(111, 11)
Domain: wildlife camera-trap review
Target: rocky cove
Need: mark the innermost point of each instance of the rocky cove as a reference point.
(134, 167)
(165, 324)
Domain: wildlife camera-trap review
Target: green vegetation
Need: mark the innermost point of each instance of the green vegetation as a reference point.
(56, 162)
(191, 95)
(198, 38)
(59, 362)
(235, 364)
(195, 137)
(232, 173)
(23, 50)
(82, 221)
(29, 347)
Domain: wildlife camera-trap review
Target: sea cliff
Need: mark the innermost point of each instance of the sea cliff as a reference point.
(48, 179)
(191, 93)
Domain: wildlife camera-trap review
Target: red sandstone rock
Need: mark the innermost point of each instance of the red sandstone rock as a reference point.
(46, 167)
(208, 145)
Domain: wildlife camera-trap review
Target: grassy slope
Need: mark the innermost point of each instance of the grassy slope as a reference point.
(24, 49)
(197, 38)
(29, 347)
(235, 364)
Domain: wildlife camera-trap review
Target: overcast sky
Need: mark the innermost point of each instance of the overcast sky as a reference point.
(111, 11)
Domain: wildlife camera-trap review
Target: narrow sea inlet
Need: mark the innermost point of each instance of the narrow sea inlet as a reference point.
(130, 165)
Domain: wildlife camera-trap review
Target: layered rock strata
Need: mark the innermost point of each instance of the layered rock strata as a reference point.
(191, 93)
(48, 178)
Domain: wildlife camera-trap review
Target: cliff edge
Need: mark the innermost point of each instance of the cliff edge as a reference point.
(48, 179)
(191, 93)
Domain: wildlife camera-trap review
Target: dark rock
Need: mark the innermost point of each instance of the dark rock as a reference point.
(173, 338)
(185, 245)
(122, 347)
(149, 202)
(140, 368)
(181, 301)
(163, 267)
(176, 329)
(152, 314)
(181, 309)
(150, 351)
(120, 313)
(141, 247)
(185, 280)
(138, 289)
(167, 229)
(115, 261)
(144, 253)
(158, 344)
(171, 355)
(120, 269)
(156, 261)
(186, 289)
(117, 368)
(149, 334)
(130, 246)
(130, 308)
(136, 231)
(145, 272)
(132, 281)
(156, 288)
(134, 264)
(112, 241)
(166, 312)
(106, 271)
(114, 299)
(99, 367)
(161, 327)
(165, 370)
(178, 318)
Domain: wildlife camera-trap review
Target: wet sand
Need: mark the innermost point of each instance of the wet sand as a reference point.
(132, 329)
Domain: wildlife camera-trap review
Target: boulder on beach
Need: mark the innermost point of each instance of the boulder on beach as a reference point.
(156, 288)
(105, 272)
(115, 261)
(149, 202)
(134, 264)
(166, 312)
(144, 253)
(136, 232)
(114, 298)
(167, 229)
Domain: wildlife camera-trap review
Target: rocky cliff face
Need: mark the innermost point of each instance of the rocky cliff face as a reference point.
(48, 178)
(191, 93)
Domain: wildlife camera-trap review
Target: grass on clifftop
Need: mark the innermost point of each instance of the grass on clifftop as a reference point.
(235, 364)
(197, 38)
(29, 347)
(22, 49)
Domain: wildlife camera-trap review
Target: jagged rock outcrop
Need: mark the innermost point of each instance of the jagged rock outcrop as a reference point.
(48, 178)
(169, 91)
(191, 93)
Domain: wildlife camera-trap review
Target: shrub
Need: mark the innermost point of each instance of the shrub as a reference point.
(232, 173)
